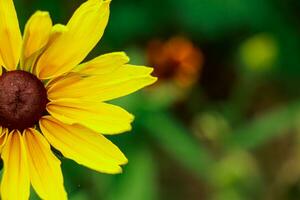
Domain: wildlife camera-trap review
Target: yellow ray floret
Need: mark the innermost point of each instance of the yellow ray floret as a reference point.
(10, 35)
(15, 180)
(1, 64)
(103, 64)
(100, 117)
(36, 36)
(3, 137)
(42, 163)
(84, 31)
(103, 87)
(83, 145)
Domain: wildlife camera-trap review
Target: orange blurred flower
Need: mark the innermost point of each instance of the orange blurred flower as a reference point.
(177, 60)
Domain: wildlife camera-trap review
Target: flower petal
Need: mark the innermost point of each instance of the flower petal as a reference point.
(103, 64)
(44, 168)
(56, 31)
(84, 30)
(15, 181)
(120, 82)
(36, 35)
(83, 145)
(10, 35)
(3, 137)
(1, 64)
(100, 117)
(71, 78)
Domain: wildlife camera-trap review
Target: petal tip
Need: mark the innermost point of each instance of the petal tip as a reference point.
(124, 161)
(42, 13)
(153, 79)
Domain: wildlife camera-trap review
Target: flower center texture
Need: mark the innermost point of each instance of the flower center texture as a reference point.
(23, 100)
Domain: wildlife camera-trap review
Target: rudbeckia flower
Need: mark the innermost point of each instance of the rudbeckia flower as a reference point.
(176, 60)
(49, 98)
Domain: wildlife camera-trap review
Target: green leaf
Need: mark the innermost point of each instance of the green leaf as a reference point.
(178, 142)
(264, 128)
(138, 180)
(79, 196)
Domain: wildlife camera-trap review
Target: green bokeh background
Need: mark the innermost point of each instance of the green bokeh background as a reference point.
(235, 134)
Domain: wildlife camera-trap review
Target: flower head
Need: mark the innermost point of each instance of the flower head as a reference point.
(176, 60)
(48, 97)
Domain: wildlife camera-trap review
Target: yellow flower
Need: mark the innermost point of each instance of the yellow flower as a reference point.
(48, 98)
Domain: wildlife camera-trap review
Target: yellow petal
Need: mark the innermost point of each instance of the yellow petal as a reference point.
(36, 36)
(1, 61)
(120, 82)
(84, 30)
(56, 31)
(10, 35)
(103, 64)
(44, 168)
(3, 137)
(1, 65)
(69, 79)
(82, 145)
(98, 116)
(15, 183)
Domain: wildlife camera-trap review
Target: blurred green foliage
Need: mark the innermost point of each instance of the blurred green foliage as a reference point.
(233, 135)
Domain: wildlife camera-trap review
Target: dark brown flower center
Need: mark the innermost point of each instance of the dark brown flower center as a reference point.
(23, 100)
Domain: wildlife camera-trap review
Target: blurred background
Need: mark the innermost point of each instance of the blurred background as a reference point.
(222, 122)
